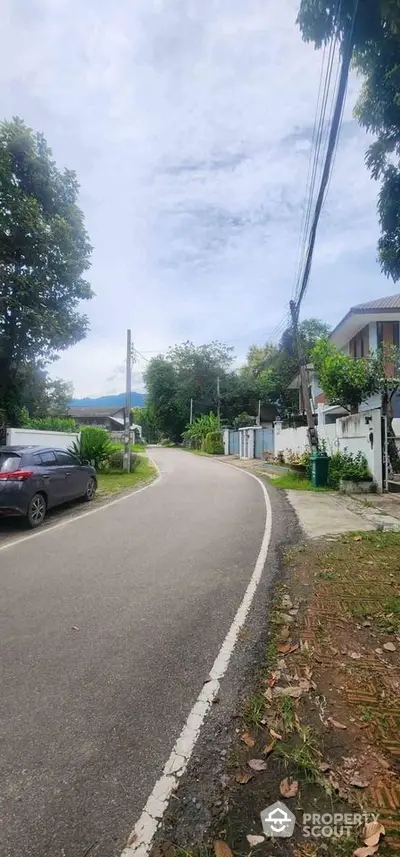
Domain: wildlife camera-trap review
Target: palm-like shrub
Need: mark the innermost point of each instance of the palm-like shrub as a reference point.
(94, 446)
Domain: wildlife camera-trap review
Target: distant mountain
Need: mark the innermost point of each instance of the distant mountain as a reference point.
(117, 401)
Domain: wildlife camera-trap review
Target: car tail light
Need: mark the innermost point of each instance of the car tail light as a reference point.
(16, 476)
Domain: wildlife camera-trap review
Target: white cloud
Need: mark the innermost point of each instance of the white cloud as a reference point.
(189, 125)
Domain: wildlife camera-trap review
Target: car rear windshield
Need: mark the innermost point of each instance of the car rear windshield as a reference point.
(9, 463)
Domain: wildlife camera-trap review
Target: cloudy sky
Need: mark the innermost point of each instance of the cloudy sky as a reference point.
(188, 123)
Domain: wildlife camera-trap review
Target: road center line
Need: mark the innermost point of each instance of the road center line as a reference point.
(140, 840)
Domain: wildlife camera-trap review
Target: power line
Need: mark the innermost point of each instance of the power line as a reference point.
(331, 149)
(315, 154)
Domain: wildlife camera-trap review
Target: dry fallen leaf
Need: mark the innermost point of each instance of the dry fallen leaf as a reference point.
(373, 830)
(221, 849)
(357, 539)
(293, 648)
(254, 840)
(268, 694)
(293, 692)
(389, 647)
(288, 787)
(324, 767)
(336, 723)
(359, 782)
(257, 765)
(283, 648)
(365, 852)
(243, 778)
(275, 735)
(355, 655)
(287, 648)
(248, 740)
(268, 748)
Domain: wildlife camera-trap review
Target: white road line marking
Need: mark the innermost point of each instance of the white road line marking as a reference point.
(151, 817)
(76, 518)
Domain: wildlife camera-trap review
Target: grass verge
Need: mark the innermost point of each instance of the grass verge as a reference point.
(135, 447)
(118, 481)
(323, 718)
(294, 482)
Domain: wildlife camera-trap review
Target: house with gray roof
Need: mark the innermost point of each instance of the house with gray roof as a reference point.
(365, 327)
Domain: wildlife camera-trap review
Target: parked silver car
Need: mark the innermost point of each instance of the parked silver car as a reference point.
(33, 479)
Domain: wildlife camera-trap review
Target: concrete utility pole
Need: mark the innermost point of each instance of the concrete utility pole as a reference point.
(259, 413)
(218, 404)
(191, 412)
(127, 440)
(312, 431)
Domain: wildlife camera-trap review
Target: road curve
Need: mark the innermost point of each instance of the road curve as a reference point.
(109, 627)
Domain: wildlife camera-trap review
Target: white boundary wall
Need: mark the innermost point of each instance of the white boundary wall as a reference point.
(356, 433)
(34, 437)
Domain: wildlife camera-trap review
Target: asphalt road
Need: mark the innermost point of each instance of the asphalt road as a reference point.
(110, 624)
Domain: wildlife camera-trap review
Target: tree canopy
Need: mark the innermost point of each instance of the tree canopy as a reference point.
(345, 381)
(376, 40)
(192, 372)
(44, 253)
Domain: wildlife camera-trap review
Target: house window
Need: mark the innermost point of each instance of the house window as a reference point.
(387, 332)
(359, 345)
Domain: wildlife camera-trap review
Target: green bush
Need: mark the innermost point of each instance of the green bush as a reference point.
(94, 445)
(116, 460)
(213, 444)
(51, 424)
(347, 465)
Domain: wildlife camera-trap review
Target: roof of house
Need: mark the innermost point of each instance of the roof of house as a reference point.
(351, 323)
(93, 412)
(391, 302)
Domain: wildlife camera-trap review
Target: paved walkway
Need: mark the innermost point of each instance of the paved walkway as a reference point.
(324, 514)
(329, 513)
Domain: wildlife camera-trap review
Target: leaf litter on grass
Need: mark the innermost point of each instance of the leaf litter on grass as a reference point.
(335, 749)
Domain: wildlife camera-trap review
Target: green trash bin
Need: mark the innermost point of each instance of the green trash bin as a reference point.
(319, 469)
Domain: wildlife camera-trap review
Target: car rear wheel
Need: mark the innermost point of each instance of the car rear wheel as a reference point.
(36, 511)
(90, 489)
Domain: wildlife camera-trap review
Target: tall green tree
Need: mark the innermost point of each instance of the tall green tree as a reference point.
(186, 372)
(375, 32)
(162, 397)
(197, 369)
(44, 253)
(273, 367)
(146, 417)
(59, 395)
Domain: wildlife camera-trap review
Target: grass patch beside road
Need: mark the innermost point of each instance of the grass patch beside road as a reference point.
(116, 482)
(320, 727)
(325, 709)
(135, 447)
(294, 482)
